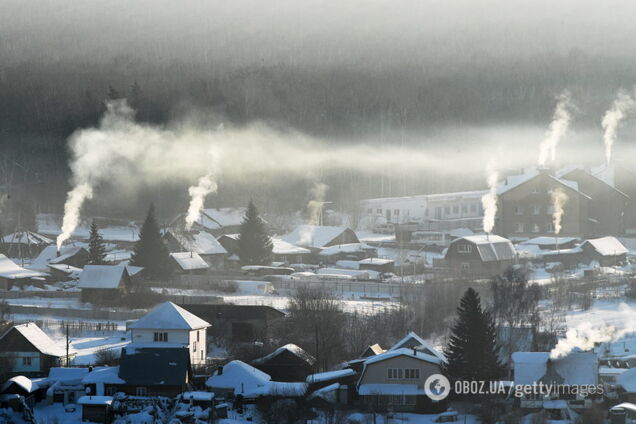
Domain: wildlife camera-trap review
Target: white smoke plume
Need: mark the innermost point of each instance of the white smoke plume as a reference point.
(206, 185)
(622, 105)
(72, 207)
(557, 130)
(315, 205)
(489, 200)
(585, 337)
(559, 199)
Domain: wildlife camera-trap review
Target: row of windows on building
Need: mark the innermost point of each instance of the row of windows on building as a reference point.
(448, 210)
(536, 210)
(520, 227)
(403, 373)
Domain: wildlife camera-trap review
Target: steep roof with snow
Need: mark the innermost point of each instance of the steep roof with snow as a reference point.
(102, 276)
(413, 340)
(548, 241)
(329, 375)
(281, 247)
(314, 235)
(26, 237)
(490, 247)
(189, 261)
(250, 382)
(38, 338)
(200, 242)
(409, 352)
(513, 181)
(291, 348)
(49, 255)
(346, 248)
(577, 368)
(25, 383)
(216, 219)
(168, 316)
(106, 375)
(12, 271)
(606, 246)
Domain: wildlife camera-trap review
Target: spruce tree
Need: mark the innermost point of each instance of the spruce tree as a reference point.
(150, 252)
(96, 248)
(472, 352)
(255, 245)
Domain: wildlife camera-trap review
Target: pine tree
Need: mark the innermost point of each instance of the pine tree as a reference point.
(255, 246)
(96, 248)
(150, 252)
(472, 352)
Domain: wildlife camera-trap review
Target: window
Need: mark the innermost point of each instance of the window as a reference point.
(370, 211)
(202, 355)
(194, 347)
(395, 373)
(535, 190)
(426, 212)
(536, 210)
(550, 227)
(535, 228)
(465, 266)
(550, 210)
(446, 210)
(473, 207)
(519, 227)
(464, 208)
(518, 210)
(26, 361)
(379, 211)
(198, 335)
(455, 209)
(412, 374)
(161, 337)
(464, 248)
(110, 390)
(140, 391)
(396, 212)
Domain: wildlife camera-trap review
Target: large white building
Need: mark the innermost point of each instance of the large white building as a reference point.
(168, 324)
(435, 212)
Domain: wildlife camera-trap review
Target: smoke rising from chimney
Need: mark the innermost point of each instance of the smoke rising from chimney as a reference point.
(318, 193)
(489, 200)
(72, 207)
(621, 106)
(557, 130)
(559, 199)
(206, 185)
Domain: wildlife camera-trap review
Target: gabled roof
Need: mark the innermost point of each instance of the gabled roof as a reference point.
(48, 254)
(38, 338)
(154, 366)
(490, 247)
(346, 248)
(26, 384)
(200, 242)
(102, 276)
(549, 241)
(411, 353)
(106, 375)
(514, 181)
(412, 339)
(291, 348)
(67, 254)
(564, 172)
(11, 271)
(168, 316)
(314, 235)
(26, 237)
(189, 261)
(606, 246)
(281, 247)
(577, 368)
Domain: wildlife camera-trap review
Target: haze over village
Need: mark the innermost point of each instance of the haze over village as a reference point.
(305, 212)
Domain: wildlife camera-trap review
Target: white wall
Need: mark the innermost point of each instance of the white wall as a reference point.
(198, 349)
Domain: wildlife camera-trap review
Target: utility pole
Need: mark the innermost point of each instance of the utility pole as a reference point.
(67, 346)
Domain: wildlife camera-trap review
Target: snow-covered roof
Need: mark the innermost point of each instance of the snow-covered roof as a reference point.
(101, 276)
(346, 248)
(26, 237)
(168, 316)
(25, 383)
(67, 269)
(607, 246)
(376, 261)
(514, 181)
(189, 261)
(106, 375)
(281, 247)
(461, 232)
(200, 396)
(251, 382)
(412, 339)
(548, 241)
(490, 247)
(49, 256)
(403, 352)
(215, 219)
(200, 242)
(577, 368)
(12, 271)
(313, 235)
(68, 253)
(594, 173)
(292, 348)
(329, 375)
(95, 400)
(624, 405)
(390, 389)
(628, 380)
(38, 339)
(66, 374)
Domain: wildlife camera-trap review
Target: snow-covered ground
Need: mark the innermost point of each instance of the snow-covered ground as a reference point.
(51, 302)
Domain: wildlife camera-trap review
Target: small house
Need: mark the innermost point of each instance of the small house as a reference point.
(320, 236)
(480, 255)
(96, 409)
(238, 378)
(103, 381)
(23, 244)
(237, 323)
(378, 265)
(200, 242)
(337, 386)
(73, 256)
(30, 352)
(216, 221)
(552, 243)
(65, 384)
(170, 324)
(104, 283)
(287, 363)
(11, 274)
(607, 251)
(154, 371)
(283, 251)
(347, 252)
(21, 386)
(188, 263)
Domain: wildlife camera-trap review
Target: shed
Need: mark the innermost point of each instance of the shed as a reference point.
(96, 409)
(287, 363)
(189, 263)
(480, 255)
(200, 242)
(12, 274)
(378, 264)
(607, 251)
(101, 283)
(320, 236)
(23, 244)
